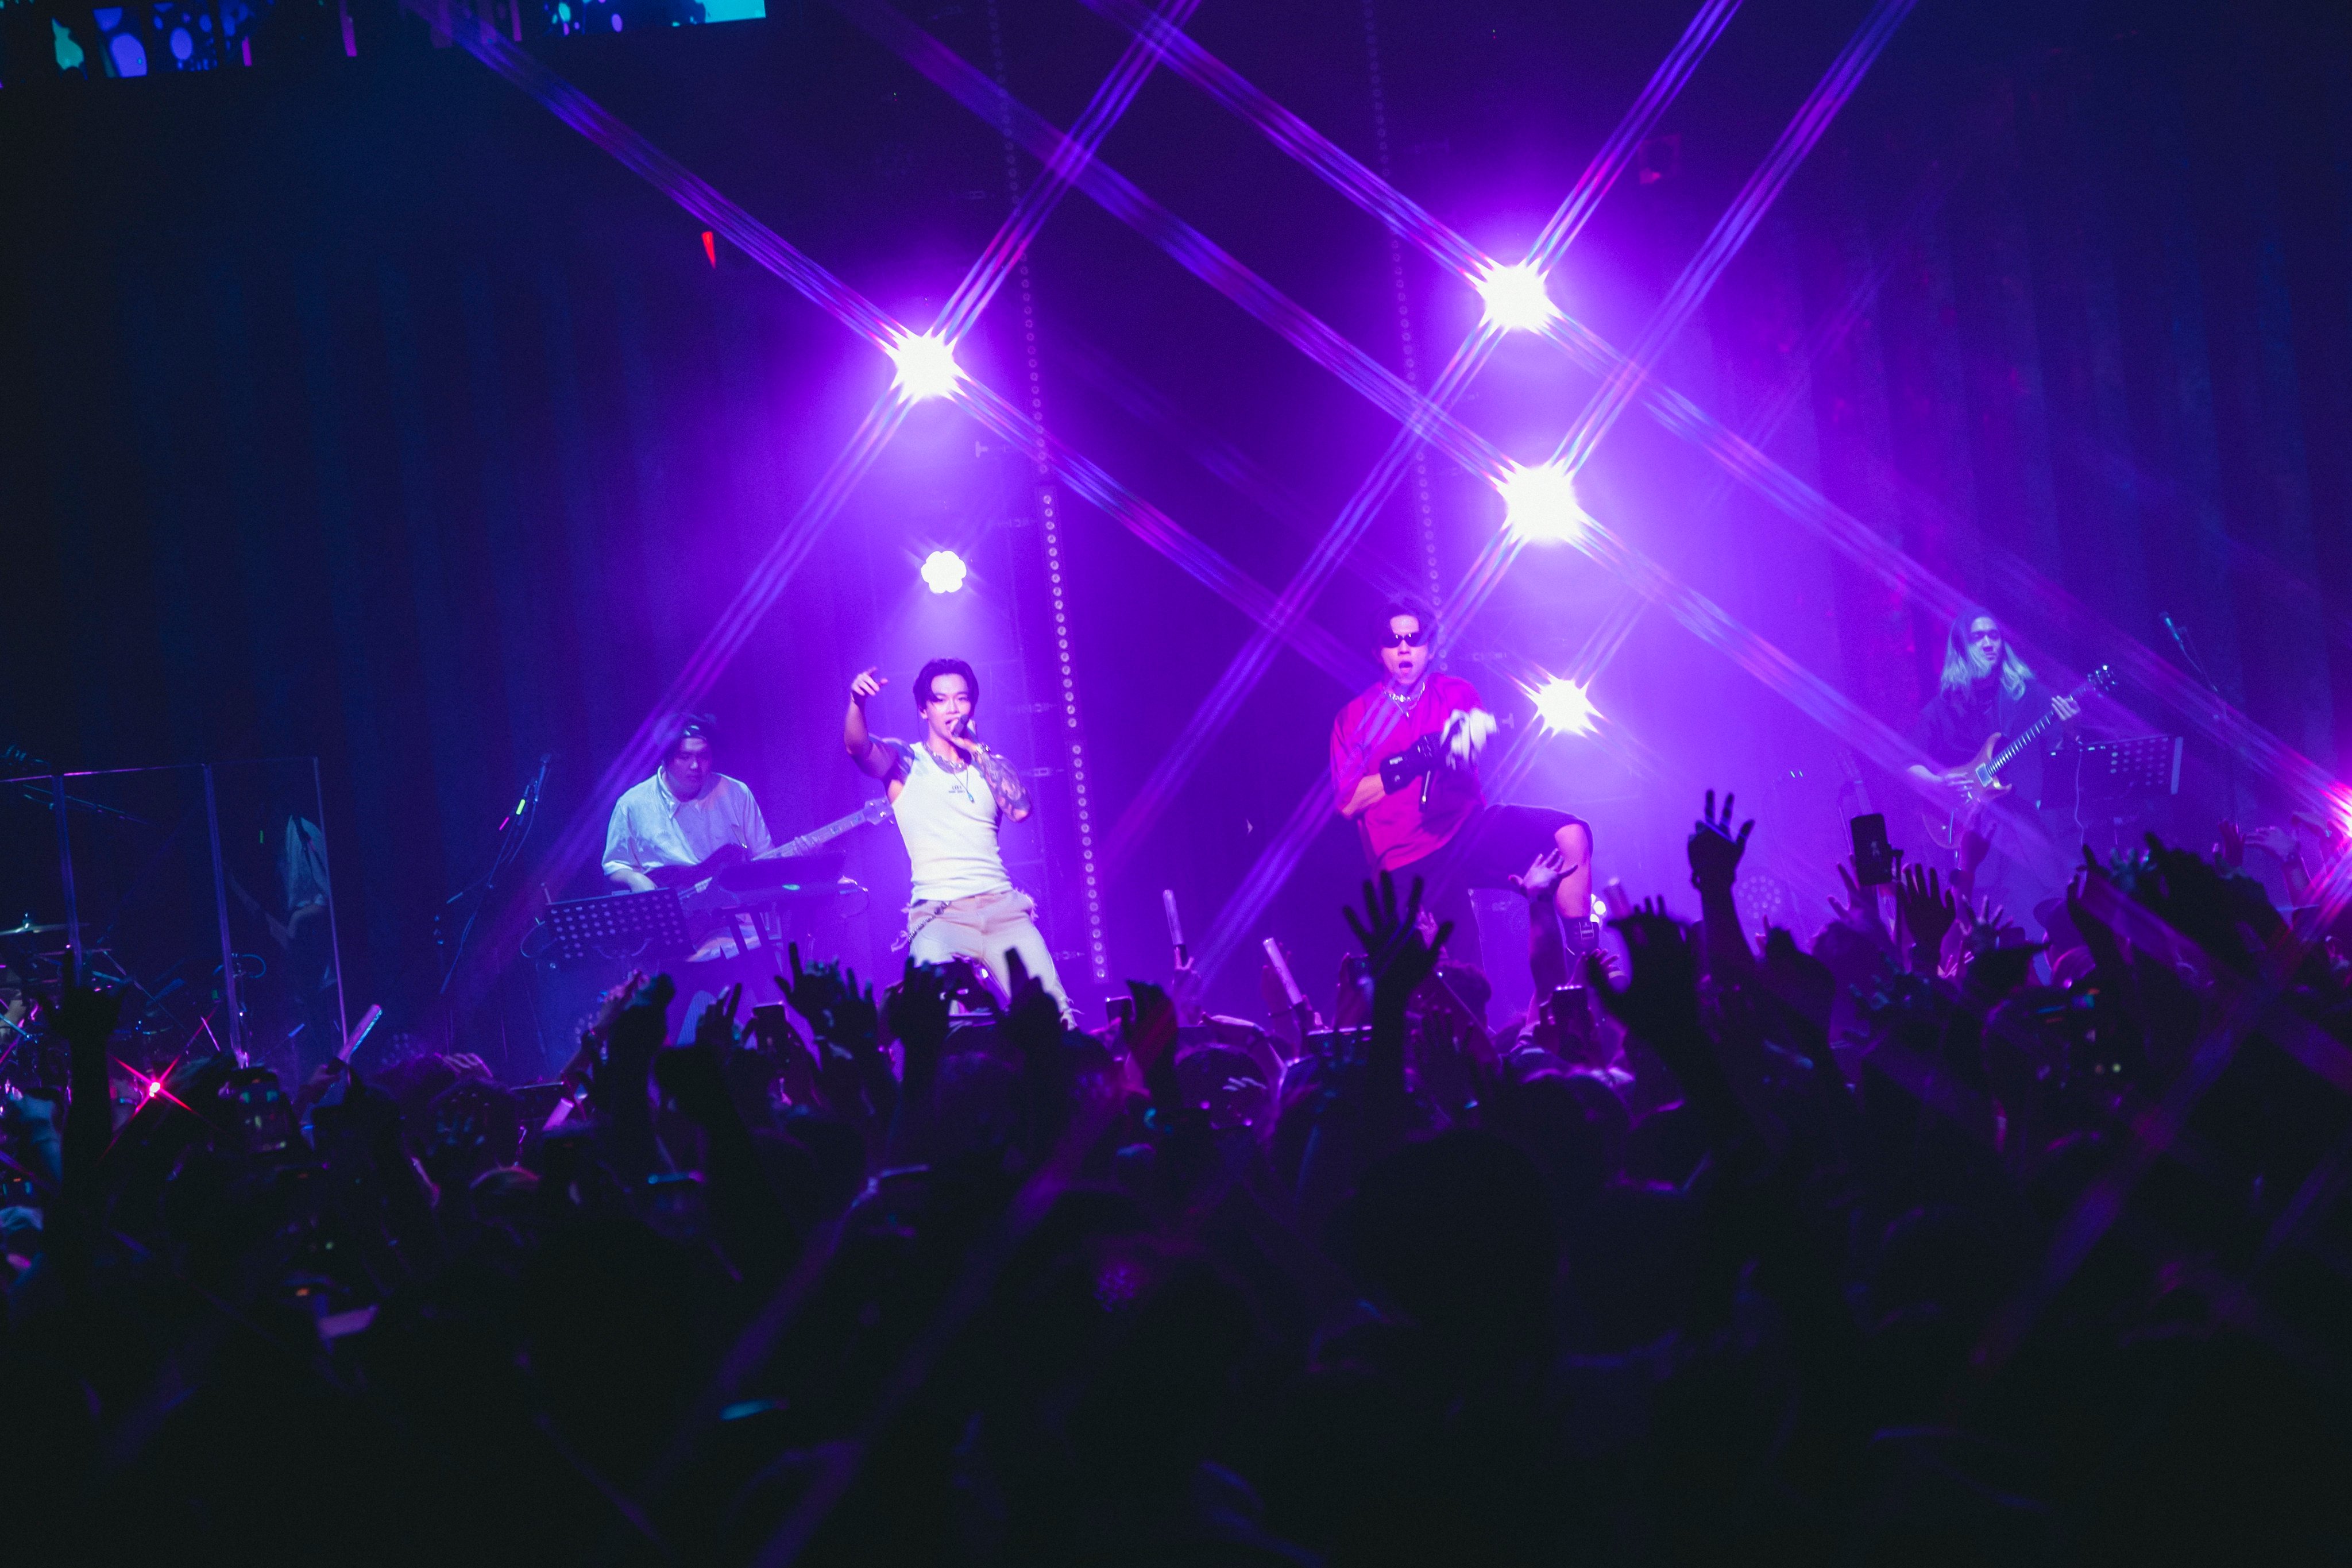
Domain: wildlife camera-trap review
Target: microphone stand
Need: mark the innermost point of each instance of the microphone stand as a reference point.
(526, 811)
(2221, 717)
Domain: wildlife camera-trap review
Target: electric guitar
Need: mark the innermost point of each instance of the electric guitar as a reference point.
(729, 855)
(1981, 785)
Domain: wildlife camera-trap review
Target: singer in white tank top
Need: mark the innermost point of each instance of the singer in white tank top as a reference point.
(950, 794)
(948, 821)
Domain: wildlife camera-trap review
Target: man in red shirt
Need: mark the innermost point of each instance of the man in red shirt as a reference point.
(1420, 812)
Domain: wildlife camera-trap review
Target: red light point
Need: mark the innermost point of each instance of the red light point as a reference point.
(711, 247)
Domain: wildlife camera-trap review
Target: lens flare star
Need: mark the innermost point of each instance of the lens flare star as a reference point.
(944, 571)
(1539, 504)
(1515, 296)
(926, 366)
(1563, 707)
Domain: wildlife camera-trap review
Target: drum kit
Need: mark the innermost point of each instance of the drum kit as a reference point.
(159, 1016)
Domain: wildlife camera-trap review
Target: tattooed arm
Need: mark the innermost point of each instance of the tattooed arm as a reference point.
(1012, 796)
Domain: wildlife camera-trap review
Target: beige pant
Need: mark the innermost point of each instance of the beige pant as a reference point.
(984, 928)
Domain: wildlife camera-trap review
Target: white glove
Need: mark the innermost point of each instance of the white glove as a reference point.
(1465, 735)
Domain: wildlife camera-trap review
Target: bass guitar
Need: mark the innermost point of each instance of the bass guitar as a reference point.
(1981, 784)
(727, 857)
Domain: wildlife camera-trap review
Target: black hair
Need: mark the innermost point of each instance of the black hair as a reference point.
(1403, 605)
(684, 727)
(938, 666)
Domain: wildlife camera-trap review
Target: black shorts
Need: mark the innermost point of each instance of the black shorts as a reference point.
(1495, 846)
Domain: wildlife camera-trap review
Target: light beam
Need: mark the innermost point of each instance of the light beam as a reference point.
(1539, 505)
(1515, 296)
(1564, 706)
(924, 366)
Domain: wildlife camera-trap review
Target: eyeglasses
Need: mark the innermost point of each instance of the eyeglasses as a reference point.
(1405, 639)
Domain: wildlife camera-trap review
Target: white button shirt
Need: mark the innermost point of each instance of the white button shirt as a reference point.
(651, 826)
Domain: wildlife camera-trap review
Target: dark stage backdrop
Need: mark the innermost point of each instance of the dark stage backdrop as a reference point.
(357, 407)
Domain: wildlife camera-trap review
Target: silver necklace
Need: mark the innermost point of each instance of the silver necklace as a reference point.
(955, 775)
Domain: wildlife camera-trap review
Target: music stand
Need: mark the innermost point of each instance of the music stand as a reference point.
(2116, 771)
(619, 926)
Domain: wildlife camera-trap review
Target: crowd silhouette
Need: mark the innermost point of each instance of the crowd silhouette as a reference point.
(1922, 1243)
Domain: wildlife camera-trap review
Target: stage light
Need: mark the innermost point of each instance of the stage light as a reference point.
(1515, 296)
(944, 571)
(926, 366)
(1563, 707)
(1539, 504)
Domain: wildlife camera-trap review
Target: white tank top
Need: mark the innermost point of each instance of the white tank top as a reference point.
(948, 821)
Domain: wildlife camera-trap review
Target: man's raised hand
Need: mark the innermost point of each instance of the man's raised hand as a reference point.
(916, 1007)
(1713, 852)
(1392, 942)
(1660, 1002)
(868, 683)
(716, 1026)
(827, 994)
(1542, 874)
(1928, 908)
(1860, 910)
(638, 1029)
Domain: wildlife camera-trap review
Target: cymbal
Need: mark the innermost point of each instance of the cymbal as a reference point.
(29, 929)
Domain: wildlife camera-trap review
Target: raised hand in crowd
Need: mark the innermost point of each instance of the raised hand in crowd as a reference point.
(915, 1011)
(748, 1216)
(1928, 910)
(1399, 956)
(827, 994)
(1188, 992)
(1858, 909)
(1715, 854)
(773, 1032)
(1715, 851)
(1659, 1001)
(1985, 926)
(86, 1016)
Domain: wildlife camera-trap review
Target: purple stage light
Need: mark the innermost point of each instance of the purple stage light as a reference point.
(943, 572)
(926, 366)
(1564, 706)
(1515, 296)
(1539, 504)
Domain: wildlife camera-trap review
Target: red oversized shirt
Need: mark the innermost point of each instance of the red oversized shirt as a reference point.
(1396, 830)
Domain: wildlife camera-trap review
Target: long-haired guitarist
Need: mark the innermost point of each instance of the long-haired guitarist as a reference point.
(949, 793)
(1988, 690)
(683, 814)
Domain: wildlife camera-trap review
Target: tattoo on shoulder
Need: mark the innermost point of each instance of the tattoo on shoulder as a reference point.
(1005, 779)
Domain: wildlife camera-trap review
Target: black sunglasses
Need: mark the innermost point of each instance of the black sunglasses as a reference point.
(1405, 639)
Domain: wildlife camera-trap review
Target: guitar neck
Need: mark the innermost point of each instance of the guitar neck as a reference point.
(2009, 753)
(2032, 732)
(818, 837)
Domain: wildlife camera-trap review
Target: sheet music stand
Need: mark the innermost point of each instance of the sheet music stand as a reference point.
(619, 926)
(2116, 771)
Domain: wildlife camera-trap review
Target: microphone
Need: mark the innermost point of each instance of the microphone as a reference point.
(2187, 649)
